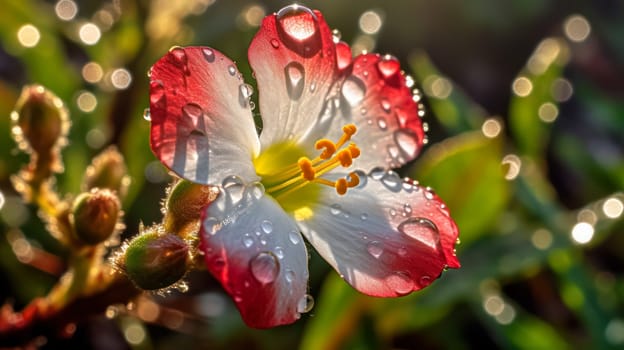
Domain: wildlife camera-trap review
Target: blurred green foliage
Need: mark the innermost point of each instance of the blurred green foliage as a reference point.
(519, 167)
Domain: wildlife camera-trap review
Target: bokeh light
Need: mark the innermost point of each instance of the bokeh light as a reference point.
(613, 208)
(66, 10)
(370, 22)
(92, 72)
(513, 164)
(548, 112)
(582, 233)
(121, 78)
(522, 86)
(576, 28)
(28, 35)
(491, 127)
(86, 101)
(89, 33)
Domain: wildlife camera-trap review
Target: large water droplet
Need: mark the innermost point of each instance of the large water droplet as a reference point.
(353, 90)
(400, 282)
(421, 229)
(294, 237)
(407, 142)
(254, 190)
(375, 249)
(231, 181)
(291, 22)
(264, 267)
(294, 73)
(305, 304)
(266, 226)
(377, 173)
(179, 57)
(392, 181)
(209, 54)
(388, 66)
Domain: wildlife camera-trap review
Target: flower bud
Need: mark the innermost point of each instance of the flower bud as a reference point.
(185, 201)
(40, 124)
(95, 216)
(107, 170)
(154, 260)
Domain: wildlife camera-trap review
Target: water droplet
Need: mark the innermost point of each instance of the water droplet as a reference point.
(377, 173)
(209, 54)
(382, 123)
(146, 115)
(375, 249)
(232, 70)
(336, 36)
(363, 111)
(275, 43)
(429, 194)
(364, 217)
(279, 252)
(385, 105)
(238, 299)
(421, 229)
(329, 112)
(212, 225)
(247, 240)
(263, 241)
(244, 94)
(457, 241)
(254, 190)
(407, 208)
(295, 79)
(388, 66)
(400, 282)
(425, 281)
(291, 23)
(294, 237)
(353, 90)
(157, 93)
(266, 226)
(392, 212)
(313, 87)
(393, 151)
(264, 267)
(407, 142)
(392, 181)
(402, 251)
(305, 304)
(231, 181)
(335, 209)
(290, 276)
(179, 57)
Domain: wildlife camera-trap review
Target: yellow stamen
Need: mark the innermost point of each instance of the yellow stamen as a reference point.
(307, 171)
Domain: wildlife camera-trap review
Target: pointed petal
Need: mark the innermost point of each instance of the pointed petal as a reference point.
(202, 127)
(293, 59)
(385, 237)
(375, 97)
(257, 253)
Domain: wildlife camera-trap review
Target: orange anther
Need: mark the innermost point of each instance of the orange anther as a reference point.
(307, 170)
(349, 129)
(354, 180)
(354, 150)
(345, 158)
(330, 148)
(341, 186)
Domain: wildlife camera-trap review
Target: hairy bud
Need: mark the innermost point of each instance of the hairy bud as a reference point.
(185, 201)
(95, 216)
(107, 170)
(154, 260)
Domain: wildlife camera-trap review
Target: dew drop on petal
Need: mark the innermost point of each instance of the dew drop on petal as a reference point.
(264, 267)
(157, 92)
(179, 56)
(385, 105)
(266, 226)
(279, 252)
(208, 54)
(146, 115)
(343, 55)
(388, 66)
(375, 249)
(289, 275)
(275, 43)
(407, 208)
(295, 79)
(232, 181)
(392, 181)
(421, 229)
(382, 123)
(293, 26)
(335, 209)
(406, 140)
(353, 90)
(400, 282)
(305, 304)
(377, 173)
(247, 240)
(294, 237)
(329, 112)
(364, 216)
(232, 70)
(425, 281)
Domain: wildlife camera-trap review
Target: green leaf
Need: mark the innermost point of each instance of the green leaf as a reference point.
(466, 173)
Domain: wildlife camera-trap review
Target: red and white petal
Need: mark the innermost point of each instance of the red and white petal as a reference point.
(257, 253)
(375, 96)
(201, 123)
(386, 237)
(293, 59)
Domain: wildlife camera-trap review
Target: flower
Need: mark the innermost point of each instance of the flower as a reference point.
(332, 128)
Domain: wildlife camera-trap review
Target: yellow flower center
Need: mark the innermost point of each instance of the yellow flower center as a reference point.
(285, 170)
